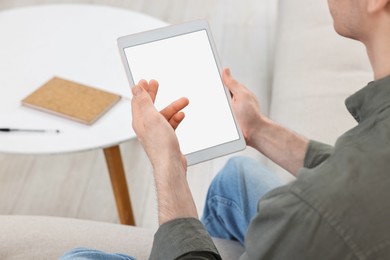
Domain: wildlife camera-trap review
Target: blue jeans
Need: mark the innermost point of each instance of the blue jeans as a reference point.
(231, 203)
(86, 254)
(233, 196)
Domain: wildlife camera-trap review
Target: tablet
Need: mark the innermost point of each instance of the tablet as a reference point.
(182, 58)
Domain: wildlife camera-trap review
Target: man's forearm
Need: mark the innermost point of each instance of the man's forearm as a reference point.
(181, 235)
(281, 145)
(173, 193)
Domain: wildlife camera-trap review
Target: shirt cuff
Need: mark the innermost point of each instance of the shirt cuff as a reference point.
(180, 237)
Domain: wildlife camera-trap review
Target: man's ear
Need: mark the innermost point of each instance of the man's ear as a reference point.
(374, 6)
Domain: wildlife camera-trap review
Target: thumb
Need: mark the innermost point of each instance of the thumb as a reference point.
(229, 81)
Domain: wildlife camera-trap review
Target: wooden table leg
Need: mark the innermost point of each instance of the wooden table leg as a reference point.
(119, 184)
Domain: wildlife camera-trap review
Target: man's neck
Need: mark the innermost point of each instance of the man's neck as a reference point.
(378, 50)
(380, 62)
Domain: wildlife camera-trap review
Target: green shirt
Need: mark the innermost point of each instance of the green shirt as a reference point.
(338, 207)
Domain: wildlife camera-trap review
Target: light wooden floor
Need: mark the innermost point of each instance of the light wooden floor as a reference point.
(77, 185)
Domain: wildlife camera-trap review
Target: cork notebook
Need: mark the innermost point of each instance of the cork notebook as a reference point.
(71, 100)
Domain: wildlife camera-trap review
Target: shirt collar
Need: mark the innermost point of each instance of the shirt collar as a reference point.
(370, 100)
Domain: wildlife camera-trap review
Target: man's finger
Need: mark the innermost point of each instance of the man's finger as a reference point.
(152, 89)
(141, 98)
(174, 108)
(176, 120)
(229, 81)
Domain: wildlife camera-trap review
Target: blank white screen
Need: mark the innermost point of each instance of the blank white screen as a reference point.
(185, 66)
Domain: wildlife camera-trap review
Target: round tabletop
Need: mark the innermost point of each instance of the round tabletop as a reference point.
(74, 42)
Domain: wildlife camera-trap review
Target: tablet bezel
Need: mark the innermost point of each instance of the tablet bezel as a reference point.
(177, 30)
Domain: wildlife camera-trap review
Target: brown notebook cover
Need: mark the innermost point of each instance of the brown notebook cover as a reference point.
(71, 100)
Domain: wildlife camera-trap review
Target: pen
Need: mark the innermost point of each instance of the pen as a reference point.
(29, 130)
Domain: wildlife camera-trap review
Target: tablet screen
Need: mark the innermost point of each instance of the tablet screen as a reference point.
(185, 66)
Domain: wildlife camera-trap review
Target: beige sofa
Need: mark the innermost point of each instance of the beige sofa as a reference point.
(28, 237)
(315, 70)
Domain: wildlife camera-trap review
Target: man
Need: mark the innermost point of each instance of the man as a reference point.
(337, 207)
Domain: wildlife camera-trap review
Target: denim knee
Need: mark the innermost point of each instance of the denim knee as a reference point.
(244, 181)
(237, 170)
(228, 176)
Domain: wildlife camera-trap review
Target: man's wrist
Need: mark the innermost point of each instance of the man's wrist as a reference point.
(169, 165)
(257, 132)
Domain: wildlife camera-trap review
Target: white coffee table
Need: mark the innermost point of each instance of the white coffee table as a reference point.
(76, 42)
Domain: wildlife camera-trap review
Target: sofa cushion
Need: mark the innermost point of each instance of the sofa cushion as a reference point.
(34, 237)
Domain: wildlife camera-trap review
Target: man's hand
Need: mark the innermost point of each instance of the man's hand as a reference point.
(156, 133)
(246, 108)
(278, 143)
(155, 130)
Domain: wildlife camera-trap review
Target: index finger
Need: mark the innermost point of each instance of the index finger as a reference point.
(174, 108)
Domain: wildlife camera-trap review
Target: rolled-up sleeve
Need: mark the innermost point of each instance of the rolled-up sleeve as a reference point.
(184, 238)
(317, 153)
